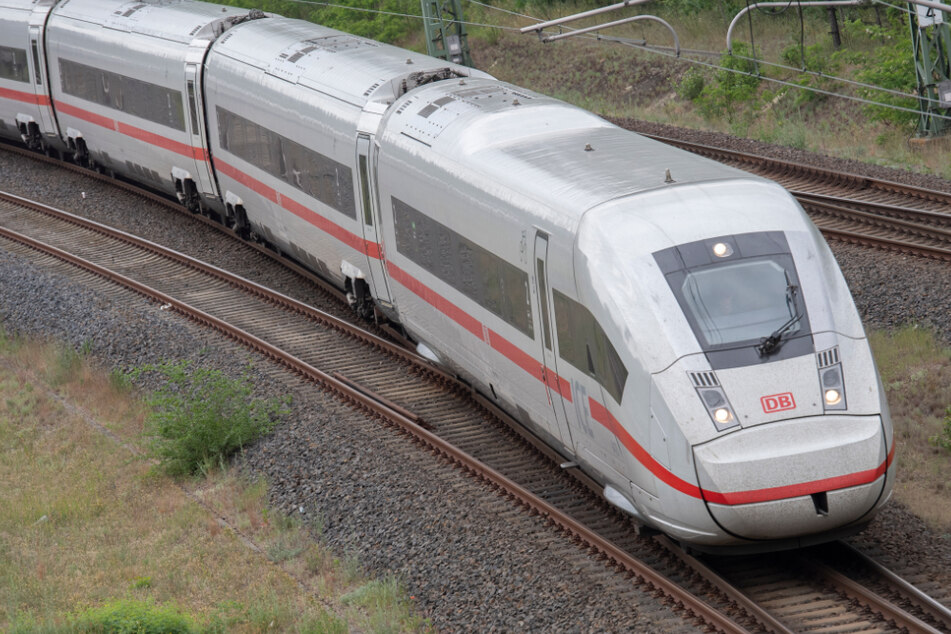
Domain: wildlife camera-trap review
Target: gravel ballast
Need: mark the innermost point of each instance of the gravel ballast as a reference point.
(466, 571)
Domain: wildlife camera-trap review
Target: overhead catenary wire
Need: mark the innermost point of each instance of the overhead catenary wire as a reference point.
(660, 51)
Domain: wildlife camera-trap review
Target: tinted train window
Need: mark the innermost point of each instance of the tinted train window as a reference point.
(133, 96)
(316, 175)
(583, 343)
(736, 291)
(739, 301)
(13, 64)
(487, 279)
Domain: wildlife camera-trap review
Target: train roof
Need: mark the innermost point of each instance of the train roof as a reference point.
(175, 20)
(345, 66)
(561, 156)
(25, 5)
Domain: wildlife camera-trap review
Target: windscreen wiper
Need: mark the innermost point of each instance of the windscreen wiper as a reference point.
(770, 344)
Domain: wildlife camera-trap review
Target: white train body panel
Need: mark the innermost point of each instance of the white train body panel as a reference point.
(121, 87)
(24, 86)
(303, 89)
(676, 327)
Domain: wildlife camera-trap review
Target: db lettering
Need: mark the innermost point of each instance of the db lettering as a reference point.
(778, 402)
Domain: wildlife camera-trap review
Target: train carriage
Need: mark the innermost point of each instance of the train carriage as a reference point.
(292, 108)
(127, 79)
(25, 113)
(532, 239)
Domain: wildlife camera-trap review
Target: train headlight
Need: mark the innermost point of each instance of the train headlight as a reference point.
(831, 380)
(714, 399)
(722, 250)
(723, 415)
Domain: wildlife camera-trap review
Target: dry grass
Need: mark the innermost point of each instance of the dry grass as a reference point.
(84, 520)
(916, 371)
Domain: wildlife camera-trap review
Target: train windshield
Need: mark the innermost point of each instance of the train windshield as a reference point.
(741, 296)
(740, 301)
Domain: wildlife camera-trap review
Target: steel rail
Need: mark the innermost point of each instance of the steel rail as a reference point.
(173, 205)
(237, 281)
(937, 611)
(363, 398)
(856, 181)
(758, 612)
(857, 592)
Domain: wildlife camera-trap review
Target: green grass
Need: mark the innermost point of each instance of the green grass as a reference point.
(91, 536)
(916, 371)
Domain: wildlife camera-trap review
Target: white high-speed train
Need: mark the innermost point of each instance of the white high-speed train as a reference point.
(676, 328)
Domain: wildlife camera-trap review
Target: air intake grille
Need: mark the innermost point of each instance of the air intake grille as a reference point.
(828, 357)
(704, 379)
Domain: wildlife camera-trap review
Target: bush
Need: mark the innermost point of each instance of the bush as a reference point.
(943, 439)
(889, 65)
(734, 84)
(382, 22)
(133, 617)
(691, 85)
(201, 417)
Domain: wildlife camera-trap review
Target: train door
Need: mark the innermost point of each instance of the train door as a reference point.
(196, 122)
(40, 81)
(557, 388)
(372, 232)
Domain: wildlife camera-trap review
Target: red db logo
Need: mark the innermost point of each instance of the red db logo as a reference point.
(778, 402)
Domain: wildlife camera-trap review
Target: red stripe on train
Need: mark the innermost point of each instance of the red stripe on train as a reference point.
(25, 97)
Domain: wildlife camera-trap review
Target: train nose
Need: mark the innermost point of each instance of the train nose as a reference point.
(794, 477)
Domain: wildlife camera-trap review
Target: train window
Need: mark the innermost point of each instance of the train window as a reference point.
(133, 96)
(37, 71)
(735, 292)
(739, 301)
(13, 64)
(193, 107)
(584, 344)
(365, 190)
(318, 176)
(480, 275)
(543, 301)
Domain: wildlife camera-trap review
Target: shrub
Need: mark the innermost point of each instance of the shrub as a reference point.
(734, 84)
(201, 417)
(133, 617)
(690, 85)
(943, 439)
(889, 65)
(381, 21)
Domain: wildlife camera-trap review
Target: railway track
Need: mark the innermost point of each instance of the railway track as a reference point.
(850, 207)
(441, 414)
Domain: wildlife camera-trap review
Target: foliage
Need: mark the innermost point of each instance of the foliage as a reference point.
(735, 83)
(381, 20)
(889, 65)
(690, 85)
(693, 7)
(133, 617)
(200, 417)
(943, 439)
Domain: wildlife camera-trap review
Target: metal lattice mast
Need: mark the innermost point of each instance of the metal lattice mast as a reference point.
(445, 32)
(931, 38)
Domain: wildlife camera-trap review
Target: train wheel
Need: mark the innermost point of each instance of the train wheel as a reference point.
(81, 154)
(241, 225)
